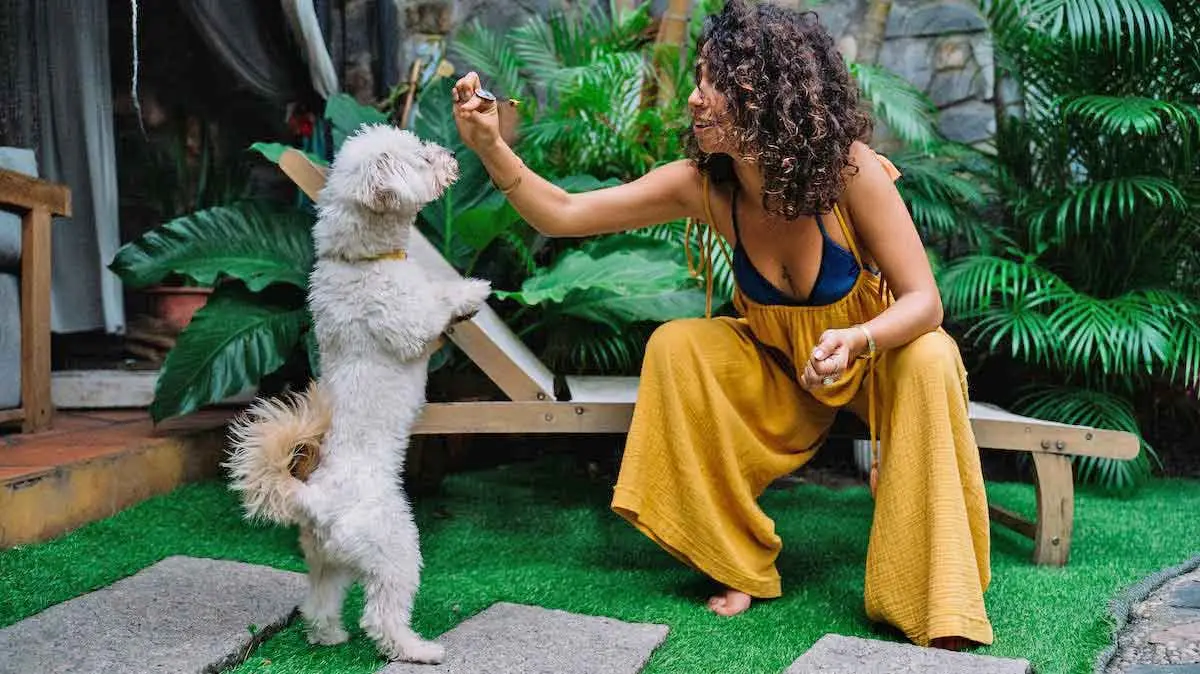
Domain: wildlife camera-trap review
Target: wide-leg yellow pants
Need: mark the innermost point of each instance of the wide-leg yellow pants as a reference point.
(720, 415)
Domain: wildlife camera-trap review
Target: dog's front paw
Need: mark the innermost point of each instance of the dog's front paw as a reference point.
(327, 635)
(470, 296)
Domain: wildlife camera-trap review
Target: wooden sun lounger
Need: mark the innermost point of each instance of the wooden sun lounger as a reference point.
(540, 402)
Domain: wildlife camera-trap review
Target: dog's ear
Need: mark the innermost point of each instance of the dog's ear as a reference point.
(379, 181)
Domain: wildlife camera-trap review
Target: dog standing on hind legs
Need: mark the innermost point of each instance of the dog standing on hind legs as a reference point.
(329, 459)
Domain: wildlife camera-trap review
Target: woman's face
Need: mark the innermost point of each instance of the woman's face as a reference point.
(710, 119)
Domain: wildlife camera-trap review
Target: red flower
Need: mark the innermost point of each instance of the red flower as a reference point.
(302, 124)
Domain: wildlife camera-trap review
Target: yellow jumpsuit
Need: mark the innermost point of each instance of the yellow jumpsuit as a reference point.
(720, 414)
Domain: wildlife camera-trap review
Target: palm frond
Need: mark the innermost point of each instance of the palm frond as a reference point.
(1100, 202)
(1134, 114)
(1140, 27)
(492, 56)
(906, 110)
(973, 284)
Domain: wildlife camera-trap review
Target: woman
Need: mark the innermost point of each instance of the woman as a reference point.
(778, 168)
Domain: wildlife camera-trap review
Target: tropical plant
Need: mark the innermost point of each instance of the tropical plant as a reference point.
(1089, 278)
(587, 77)
(257, 255)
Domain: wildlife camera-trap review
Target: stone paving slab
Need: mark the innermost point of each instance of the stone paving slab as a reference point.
(836, 654)
(513, 638)
(182, 614)
(1186, 596)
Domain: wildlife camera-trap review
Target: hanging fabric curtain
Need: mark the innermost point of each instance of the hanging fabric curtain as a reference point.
(252, 41)
(302, 17)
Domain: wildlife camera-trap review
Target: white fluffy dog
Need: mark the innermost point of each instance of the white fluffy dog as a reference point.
(329, 459)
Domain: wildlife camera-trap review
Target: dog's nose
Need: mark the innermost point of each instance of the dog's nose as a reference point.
(453, 154)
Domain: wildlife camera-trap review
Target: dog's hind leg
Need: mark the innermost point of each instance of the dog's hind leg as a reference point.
(327, 585)
(390, 585)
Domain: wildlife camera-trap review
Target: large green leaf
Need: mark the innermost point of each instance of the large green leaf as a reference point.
(615, 280)
(231, 343)
(246, 241)
(633, 304)
(273, 151)
(346, 115)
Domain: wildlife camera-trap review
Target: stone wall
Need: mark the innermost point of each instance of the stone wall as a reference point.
(941, 46)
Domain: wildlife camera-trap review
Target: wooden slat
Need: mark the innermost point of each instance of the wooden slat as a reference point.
(996, 428)
(309, 177)
(598, 389)
(9, 416)
(522, 417)
(26, 193)
(35, 319)
(1013, 521)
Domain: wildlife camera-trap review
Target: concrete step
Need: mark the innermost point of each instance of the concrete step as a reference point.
(93, 465)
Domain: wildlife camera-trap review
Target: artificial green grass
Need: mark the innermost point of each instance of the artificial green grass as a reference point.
(541, 534)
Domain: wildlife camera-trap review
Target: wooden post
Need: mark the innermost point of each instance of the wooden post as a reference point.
(1056, 508)
(35, 320)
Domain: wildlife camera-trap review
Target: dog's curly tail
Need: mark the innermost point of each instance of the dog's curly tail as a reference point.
(275, 444)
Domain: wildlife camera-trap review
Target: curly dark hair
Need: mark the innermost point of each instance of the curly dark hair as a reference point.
(791, 102)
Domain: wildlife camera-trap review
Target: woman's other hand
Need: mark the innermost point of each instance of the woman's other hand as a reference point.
(832, 356)
(477, 118)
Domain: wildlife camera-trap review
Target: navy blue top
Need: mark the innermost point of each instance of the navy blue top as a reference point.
(835, 277)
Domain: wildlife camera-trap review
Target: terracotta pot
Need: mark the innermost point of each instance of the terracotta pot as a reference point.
(177, 305)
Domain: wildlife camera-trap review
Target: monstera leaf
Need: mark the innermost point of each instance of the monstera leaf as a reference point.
(273, 151)
(246, 241)
(235, 339)
(615, 280)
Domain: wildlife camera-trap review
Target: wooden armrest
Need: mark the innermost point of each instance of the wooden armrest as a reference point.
(26, 193)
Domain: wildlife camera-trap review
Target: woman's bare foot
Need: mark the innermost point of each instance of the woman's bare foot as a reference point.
(729, 603)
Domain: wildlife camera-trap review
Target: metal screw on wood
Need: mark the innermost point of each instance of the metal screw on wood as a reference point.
(1054, 541)
(549, 417)
(1088, 436)
(541, 396)
(578, 410)
(1045, 444)
(1060, 445)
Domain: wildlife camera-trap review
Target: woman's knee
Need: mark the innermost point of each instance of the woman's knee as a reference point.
(679, 335)
(933, 354)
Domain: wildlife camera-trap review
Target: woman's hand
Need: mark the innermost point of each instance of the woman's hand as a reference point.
(477, 119)
(832, 356)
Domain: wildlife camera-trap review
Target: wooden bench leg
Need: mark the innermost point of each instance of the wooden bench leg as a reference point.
(35, 320)
(1055, 508)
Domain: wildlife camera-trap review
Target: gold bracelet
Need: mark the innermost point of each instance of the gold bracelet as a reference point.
(515, 183)
(870, 342)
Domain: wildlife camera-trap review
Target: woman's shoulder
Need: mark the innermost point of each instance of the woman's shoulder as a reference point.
(867, 161)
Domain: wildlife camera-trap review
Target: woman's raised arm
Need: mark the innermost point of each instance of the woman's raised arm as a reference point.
(666, 193)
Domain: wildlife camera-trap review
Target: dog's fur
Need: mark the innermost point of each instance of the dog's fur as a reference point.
(329, 459)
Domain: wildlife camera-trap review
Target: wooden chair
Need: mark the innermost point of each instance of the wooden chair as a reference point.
(36, 201)
(540, 402)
